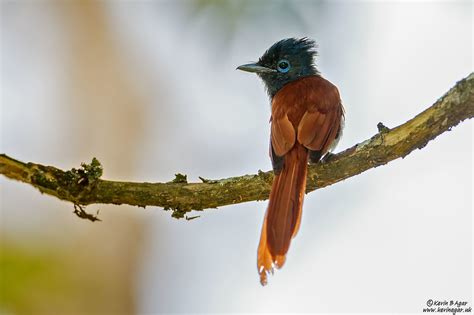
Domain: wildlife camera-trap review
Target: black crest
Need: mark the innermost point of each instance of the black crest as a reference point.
(295, 55)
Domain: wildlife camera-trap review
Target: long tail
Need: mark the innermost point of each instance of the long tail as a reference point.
(283, 216)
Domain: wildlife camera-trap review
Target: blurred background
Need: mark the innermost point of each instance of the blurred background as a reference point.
(149, 88)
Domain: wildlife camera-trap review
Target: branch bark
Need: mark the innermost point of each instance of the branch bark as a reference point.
(84, 186)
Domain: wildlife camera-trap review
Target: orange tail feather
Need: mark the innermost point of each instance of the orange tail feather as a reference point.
(283, 216)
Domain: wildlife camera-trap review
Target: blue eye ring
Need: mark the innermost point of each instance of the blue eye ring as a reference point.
(283, 66)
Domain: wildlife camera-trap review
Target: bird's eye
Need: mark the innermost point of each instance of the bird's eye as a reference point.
(283, 66)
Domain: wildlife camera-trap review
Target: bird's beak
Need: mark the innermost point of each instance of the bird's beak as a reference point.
(254, 67)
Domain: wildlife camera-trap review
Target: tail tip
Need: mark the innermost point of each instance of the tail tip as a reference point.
(263, 273)
(263, 279)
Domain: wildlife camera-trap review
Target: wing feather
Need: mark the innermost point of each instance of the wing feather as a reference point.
(309, 125)
(283, 135)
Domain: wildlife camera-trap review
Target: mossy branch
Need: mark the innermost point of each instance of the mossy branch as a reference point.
(84, 186)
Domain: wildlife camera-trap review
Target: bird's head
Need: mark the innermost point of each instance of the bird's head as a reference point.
(284, 62)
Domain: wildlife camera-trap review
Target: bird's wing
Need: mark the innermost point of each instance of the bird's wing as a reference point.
(283, 135)
(317, 131)
(321, 122)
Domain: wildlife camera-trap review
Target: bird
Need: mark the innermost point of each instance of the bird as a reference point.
(306, 123)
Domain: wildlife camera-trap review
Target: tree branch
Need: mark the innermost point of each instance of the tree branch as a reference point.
(83, 186)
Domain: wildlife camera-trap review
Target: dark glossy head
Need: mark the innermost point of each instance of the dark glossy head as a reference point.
(284, 62)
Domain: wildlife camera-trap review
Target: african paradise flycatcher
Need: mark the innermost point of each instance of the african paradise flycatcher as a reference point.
(307, 119)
